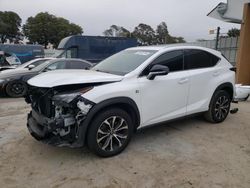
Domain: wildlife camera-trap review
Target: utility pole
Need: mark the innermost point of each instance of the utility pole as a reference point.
(217, 38)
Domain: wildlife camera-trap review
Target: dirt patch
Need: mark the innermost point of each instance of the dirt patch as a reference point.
(187, 153)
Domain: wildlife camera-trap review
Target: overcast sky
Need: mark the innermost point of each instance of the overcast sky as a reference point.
(185, 18)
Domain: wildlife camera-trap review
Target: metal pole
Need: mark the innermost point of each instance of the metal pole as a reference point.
(217, 38)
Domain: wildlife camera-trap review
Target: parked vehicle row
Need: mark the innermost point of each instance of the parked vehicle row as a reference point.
(28, 65)
(14, 82)
(103, 107)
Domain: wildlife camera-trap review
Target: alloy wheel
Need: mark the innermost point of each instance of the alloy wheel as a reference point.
(222, 107)
(112, 133)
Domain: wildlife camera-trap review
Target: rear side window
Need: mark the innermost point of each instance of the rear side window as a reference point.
(174, 60)
(195, 59)
(79, 65)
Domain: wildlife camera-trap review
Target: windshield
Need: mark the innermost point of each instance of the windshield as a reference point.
(124, 62)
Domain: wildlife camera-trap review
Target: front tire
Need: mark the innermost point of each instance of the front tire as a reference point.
(16, 89)
(110, 132)
(219, 107)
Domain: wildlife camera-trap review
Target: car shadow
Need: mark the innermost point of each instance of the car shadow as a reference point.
(143, 135)
(171, 127)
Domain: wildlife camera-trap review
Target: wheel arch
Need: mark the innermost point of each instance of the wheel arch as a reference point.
(228, 87)
(125, 103)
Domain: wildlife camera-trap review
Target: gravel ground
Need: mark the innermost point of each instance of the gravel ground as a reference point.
(186, 153)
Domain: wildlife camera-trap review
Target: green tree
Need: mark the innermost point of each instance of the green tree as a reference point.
(234, 32)
(163, 36)
(117, 31)
(162, 33)
(10, 23)
(46, 28)
(145, 34)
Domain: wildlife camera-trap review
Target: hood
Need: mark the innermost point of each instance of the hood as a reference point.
(15, 72)
(68, 77)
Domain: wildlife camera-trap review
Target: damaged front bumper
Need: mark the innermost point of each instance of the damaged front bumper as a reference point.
(66, 127)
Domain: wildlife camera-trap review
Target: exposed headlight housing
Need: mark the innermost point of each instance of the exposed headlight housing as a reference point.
(66, 99)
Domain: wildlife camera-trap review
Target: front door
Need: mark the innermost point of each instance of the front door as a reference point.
(165, 97)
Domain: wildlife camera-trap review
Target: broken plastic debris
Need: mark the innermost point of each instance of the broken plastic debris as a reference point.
(83, 107)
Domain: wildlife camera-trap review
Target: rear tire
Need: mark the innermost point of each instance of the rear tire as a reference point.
(110, 132)
(16, 89)
(219, 107)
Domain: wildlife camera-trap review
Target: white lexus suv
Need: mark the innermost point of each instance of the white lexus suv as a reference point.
(137, 87)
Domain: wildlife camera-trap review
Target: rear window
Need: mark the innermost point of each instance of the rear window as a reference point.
(194, 59)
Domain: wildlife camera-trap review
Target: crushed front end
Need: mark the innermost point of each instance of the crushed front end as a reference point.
(58, 114)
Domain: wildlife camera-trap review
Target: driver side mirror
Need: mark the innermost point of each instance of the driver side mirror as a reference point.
(157, 70)
(31, 67)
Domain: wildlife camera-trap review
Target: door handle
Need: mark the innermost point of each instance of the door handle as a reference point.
(183, 81)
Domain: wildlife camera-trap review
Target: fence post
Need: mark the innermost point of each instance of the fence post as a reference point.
(217, 38)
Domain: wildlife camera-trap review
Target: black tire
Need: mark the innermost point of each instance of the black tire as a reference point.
(219, 107)
(16, 89)
(107, 142)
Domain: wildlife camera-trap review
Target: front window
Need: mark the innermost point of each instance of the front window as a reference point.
(124, 62)
(173, 60)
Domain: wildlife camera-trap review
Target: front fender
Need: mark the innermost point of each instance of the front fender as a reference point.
(105, 104)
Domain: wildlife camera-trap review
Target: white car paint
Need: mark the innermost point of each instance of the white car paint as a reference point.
(66, 77)
(203, 84)
(160, 91)
(166, 97)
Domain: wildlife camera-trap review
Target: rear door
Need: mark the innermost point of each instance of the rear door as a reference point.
(203, 74)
